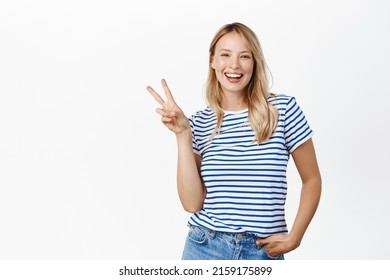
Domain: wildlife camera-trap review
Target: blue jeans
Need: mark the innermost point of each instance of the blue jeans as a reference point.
(205, 244)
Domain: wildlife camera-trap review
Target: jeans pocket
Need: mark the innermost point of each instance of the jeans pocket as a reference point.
(197, 235)
(281, 257)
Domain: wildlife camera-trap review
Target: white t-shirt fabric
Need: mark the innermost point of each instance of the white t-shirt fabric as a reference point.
(246, 181)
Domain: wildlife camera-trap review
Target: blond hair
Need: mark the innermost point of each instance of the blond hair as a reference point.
(262, 116)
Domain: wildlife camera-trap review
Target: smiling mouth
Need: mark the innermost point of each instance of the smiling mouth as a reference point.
(233, 76)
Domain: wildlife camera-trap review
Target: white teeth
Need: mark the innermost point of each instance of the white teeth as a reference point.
(233, 75)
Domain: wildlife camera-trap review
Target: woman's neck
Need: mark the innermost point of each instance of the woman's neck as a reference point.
(234, 103)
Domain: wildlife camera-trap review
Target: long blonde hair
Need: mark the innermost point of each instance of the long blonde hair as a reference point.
(263, 117)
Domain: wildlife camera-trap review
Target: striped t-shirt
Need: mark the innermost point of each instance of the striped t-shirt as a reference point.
(246, 181)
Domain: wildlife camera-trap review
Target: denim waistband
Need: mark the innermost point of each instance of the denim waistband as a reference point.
(240, 237)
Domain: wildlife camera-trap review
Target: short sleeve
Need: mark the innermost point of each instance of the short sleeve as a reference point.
(195, 146)
(296, 127)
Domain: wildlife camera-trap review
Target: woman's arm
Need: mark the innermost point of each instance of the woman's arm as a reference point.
(189, 183)
(307, 166)
(306, 162)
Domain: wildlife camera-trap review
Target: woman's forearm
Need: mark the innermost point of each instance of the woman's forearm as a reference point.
(307, 166)
(310, 197)
(189, 183)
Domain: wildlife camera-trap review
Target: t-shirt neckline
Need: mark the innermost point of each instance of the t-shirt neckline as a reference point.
(235, 112)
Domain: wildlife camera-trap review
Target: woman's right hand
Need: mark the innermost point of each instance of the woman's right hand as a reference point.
(171, 114)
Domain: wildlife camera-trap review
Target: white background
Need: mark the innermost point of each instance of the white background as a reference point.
(87, 170)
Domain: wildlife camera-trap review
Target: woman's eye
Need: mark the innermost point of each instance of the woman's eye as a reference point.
(246, 56)
(225, 54)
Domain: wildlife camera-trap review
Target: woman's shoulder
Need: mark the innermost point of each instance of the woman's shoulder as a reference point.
(280, 99)
(203, 113)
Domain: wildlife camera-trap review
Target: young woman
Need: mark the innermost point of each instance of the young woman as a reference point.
(233, 155)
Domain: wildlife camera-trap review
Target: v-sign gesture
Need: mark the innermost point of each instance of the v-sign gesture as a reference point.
(171, 114)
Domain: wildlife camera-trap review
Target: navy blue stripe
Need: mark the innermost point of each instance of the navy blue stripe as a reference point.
(250, 154)
(239, 148)
(249, 192)
(275, 209)
(251, 181)
(243, 203)
(245, 170)
(246, 164)
(248, 187)
(252, 159)
(238, 175)
(243, 197)
(247, 215)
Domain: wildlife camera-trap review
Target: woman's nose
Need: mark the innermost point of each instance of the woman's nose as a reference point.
(234, 64)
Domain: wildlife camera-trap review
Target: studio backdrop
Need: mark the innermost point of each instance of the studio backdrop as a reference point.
(87, 170)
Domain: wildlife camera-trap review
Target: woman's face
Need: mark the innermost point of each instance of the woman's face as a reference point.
(233, 63)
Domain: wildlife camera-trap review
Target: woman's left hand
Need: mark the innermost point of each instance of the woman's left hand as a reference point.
(276, 245)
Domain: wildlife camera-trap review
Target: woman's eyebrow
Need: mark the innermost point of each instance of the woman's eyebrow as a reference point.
(227, 50)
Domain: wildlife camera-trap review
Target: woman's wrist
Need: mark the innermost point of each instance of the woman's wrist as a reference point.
(184, 135)
(293, 241)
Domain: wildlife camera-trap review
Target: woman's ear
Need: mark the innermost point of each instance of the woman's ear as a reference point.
(212, 62)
